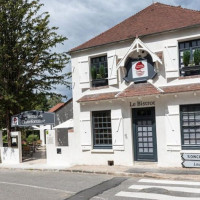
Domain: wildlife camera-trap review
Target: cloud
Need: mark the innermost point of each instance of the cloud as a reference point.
(81, 20)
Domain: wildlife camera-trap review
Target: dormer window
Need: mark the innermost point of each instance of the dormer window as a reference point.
(189, 57)
(99, 71)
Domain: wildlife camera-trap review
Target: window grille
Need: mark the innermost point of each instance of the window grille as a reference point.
(97, 62)
(102, 131)
(190, 126)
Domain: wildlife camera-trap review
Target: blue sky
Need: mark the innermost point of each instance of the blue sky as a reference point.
(81, 20)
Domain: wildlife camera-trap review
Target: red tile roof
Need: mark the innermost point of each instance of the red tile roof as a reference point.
(56, 107)
(98, 97)
(142, 89)
(181, 88)
(155, 18)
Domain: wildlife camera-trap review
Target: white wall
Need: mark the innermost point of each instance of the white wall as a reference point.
(68, 153)
(42, 132)
(10, 155)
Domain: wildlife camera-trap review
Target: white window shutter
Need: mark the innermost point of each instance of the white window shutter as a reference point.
(85, 131)
(172, 127)
(112, 70)
(171, 61)
(117, 130)
(84, 72)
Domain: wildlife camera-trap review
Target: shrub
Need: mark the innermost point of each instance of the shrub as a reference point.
(197, 56)
(186, 58)
(32, 138)
(94, 72)
(102, 71)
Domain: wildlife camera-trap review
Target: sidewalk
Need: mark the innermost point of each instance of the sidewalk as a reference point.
(139, 171)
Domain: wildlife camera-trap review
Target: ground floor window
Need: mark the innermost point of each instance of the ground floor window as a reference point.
(190, 126)
(102, 131)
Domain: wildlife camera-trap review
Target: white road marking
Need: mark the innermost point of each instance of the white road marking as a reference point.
(169, 182)
(153, 196)
(177, 189)
(37, 187)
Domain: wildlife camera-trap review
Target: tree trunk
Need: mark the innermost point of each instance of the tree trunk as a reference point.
(8, 127)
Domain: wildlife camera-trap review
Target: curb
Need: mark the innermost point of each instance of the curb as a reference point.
(139, 175)
(125, 174)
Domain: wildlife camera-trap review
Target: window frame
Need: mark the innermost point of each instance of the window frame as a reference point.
(183, 145)
(103, 81)
(102, 146)
(192, 70)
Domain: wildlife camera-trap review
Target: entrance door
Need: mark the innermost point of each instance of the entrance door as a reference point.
(144, 132)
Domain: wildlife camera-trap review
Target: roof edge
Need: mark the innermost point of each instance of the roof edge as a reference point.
(132, 38)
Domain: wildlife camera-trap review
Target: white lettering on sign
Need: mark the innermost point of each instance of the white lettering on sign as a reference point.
(142, 103)
(139, 69)
(32, 121)
(34, 116)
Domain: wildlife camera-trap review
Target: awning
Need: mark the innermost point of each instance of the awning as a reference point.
(67, 124)
(36, 128)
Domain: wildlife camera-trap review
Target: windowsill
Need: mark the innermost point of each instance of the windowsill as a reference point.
(102, 151)
(188, 77)
(100, 82)
(98, 88)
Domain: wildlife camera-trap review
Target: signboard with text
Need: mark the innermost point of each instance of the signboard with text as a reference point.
(191, 160)
(32, 118)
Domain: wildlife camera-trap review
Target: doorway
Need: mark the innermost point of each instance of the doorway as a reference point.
(144, 134)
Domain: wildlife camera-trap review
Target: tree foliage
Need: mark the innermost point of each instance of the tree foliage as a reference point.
(29, 67)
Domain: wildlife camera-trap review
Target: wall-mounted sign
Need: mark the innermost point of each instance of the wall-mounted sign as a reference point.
(142, 103)
(192, 156)
(139, 70)
(191, 160)
(32, 118)
(191, 164)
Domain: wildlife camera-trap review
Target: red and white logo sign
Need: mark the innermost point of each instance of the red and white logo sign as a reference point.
(15, 121)
(140, 69)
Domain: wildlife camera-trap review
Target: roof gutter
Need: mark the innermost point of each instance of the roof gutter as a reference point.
(132, 38)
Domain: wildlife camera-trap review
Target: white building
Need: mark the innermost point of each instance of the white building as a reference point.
(134, 100)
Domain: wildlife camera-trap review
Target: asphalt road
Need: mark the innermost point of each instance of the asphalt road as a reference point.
(38, 185)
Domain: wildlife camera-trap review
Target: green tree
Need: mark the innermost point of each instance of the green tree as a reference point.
(29, 65)
(53, 100)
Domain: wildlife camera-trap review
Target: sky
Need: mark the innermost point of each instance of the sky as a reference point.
(81, 20)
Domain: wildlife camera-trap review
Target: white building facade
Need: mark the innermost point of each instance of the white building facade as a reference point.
(135, 99)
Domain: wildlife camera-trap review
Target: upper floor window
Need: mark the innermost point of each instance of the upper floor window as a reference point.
(99, 71)
(189, 57)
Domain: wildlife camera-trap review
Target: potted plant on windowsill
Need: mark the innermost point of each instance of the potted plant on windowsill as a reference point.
(186, 58)
(99, 79)
(197, 57)
(193, 67)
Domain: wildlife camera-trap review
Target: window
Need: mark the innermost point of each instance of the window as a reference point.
(99, 71)
(62, 137)
(102, 132)
(191, 68)
(190, 126)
